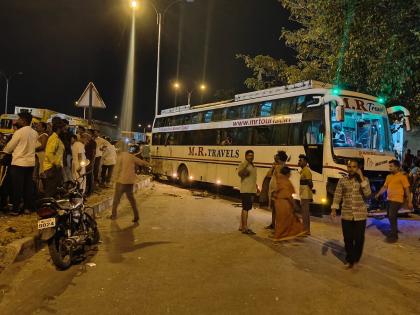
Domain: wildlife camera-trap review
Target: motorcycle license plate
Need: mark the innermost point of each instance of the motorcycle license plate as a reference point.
(46, 223)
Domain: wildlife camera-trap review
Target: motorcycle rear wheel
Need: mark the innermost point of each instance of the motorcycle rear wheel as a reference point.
(92, 225)
(60, 254)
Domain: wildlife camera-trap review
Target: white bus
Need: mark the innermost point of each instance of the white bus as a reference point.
(207, 142)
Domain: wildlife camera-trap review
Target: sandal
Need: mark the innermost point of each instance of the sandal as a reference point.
(249, 232)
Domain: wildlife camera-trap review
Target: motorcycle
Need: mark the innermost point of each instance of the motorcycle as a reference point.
(67, 226)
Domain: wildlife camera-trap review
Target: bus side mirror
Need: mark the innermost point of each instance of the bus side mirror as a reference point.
(398, 110)
(339, 113)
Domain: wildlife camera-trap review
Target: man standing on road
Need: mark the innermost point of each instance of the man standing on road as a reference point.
(90, 152)
(396, 186)
(305, 192)
(109, 159)
(22, 146)
(101, 145)
(248, 174)
(126, 177)
(352, 191)
(53, 161)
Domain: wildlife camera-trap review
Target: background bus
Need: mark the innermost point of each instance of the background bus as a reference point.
(208, 142)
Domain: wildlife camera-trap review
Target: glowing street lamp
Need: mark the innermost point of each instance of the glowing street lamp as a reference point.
(133, 4)
(203, 87)
(176, 85)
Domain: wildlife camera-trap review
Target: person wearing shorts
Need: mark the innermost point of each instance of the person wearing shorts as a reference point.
(248, 174)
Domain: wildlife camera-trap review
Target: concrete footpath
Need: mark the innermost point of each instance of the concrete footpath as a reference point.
(24, 248)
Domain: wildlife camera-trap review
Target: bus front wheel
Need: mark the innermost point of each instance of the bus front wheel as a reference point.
(183, 176)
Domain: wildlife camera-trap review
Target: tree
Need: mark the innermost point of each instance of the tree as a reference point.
(371, 46)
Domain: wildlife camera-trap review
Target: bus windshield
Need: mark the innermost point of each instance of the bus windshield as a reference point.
(361, 130)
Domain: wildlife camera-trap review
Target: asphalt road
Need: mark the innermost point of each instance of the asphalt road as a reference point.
(187, 257)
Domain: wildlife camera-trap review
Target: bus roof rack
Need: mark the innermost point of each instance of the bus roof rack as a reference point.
(184, 108)
(212, 104)
(304, 85)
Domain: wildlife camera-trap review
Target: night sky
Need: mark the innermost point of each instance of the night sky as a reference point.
(61, 45)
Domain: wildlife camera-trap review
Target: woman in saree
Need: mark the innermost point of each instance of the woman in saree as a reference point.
(288, 225)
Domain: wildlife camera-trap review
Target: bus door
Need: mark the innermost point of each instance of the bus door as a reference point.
(313, 123)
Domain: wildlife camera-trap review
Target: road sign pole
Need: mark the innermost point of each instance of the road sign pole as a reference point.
(90, 105)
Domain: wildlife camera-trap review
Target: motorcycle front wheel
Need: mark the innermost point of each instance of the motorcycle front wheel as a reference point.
(60, 253)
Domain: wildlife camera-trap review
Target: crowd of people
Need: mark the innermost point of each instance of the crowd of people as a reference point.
(39, 159)
(291, 220)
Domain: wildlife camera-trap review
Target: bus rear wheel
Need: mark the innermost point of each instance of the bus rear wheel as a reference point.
(183, 176)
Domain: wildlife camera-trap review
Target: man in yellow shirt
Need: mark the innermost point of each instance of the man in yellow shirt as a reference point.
(396, 186)
(53, 161)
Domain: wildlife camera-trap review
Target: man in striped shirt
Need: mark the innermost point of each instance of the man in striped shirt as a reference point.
(351, 191)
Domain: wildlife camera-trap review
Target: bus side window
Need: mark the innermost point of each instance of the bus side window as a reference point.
(156, 139)
(295, 134)
(207, 116)
(280, 134)
(178, 120)
(195, 118)
(265, 109)
(187, 119)
(218, 114)
(313, 132)
(247, 111)
(262, 135)
(187, 138)
(284, 106)
(241, 136)
(232, 113)
(300, 103)
(170, 121)
(223, 137)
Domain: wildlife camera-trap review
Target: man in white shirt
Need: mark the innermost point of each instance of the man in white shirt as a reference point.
(78, 156)
(22, 146)
(248, 174)
(101, 145)
(109, 159)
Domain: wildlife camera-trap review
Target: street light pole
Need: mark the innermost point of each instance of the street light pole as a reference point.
(7, 95)
(189, 98)
(160, 17)
(159, 20)
(8, 78)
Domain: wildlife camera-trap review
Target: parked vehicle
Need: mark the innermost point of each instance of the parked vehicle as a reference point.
(67, 226)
